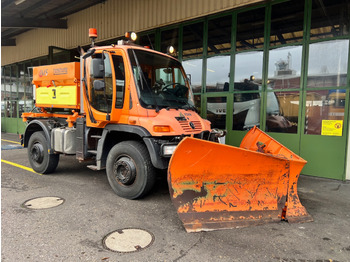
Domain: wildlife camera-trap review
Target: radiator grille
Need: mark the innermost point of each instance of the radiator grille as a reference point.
(188, 129)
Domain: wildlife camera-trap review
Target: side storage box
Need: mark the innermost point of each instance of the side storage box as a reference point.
(59, 97)
(63, 140)
(57, 86)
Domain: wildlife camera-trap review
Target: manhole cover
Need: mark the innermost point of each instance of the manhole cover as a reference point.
(128, 240)
(43, 202)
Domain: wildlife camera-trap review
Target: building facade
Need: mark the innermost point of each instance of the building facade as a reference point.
(280, 65)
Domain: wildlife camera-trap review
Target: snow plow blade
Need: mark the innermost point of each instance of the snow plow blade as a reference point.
(216, 186)
(257, 140)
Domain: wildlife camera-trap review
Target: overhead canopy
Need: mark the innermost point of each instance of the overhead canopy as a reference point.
(19, 16)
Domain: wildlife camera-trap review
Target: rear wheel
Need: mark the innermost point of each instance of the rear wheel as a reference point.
(39, 157)
(129, 170)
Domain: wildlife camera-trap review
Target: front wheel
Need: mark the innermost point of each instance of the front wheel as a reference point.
(41, 161)
(129, 170)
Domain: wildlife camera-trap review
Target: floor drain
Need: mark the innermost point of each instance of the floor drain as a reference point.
(128, 240)
(43, 202)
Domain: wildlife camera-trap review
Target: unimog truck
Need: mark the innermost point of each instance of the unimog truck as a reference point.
(130, 110)
(125, 106)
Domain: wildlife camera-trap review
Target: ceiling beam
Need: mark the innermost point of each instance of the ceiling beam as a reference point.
(16, 22)
(8, 42)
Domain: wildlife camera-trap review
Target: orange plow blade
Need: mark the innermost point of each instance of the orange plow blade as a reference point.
(257, 140)
(216, 186)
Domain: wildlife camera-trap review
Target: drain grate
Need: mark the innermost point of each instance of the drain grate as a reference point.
(43, 202)
(128, 240)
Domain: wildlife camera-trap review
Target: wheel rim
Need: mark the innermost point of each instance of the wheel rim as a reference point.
(37, 153)
(124, 170)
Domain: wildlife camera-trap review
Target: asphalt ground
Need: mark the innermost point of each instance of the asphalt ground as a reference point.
(75, 230)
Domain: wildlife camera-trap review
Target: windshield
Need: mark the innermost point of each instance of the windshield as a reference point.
(160, 81)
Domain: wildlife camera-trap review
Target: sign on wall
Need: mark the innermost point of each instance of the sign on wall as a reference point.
(332, 128)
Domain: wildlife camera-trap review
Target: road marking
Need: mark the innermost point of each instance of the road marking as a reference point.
(19, 166)
(9, 147)
(10, 141)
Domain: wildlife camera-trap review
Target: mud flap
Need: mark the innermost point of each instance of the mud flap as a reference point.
(217, 186)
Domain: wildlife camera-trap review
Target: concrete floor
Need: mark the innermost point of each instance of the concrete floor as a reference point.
(74, 231)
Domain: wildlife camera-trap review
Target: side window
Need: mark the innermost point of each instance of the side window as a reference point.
(101, 85)
(120, 80)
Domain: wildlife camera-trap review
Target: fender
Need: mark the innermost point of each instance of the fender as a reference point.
(138, 130)
(102, 153)
(153, 149)
(38, 125)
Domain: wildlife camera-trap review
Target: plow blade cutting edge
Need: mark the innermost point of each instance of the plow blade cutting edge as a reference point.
(216, 186)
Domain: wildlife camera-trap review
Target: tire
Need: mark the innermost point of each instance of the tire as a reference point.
(129, 170)
(41, 161)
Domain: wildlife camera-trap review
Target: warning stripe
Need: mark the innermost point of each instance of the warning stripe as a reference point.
(14, 142)
(19, 166)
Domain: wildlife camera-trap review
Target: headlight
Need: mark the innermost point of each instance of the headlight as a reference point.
(168, 150)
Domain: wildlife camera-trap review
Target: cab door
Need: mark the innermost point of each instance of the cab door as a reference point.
(106, 88)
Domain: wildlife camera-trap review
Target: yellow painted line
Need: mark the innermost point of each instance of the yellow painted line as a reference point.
(19, 166)
(14, 142)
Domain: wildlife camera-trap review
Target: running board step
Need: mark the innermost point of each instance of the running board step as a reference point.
(95, 168)
(92, 167)
(93, 152)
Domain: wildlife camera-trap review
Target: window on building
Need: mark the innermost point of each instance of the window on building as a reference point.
(329, 18)
(247, 99)
(284, 73)
(193, 69)
(324, 113)
(248, 66)
(59, 55)
(287, 22)
(192, 46)
(21, 90)
(325, 101)
(3, 92)
(192, 52)
(147, 39)
(218, 74)
(219, 35)
(28, 86)
(14, 91)
(170, 38)
(282, 111)
(285, 67)
(328, 64)
(216, 111)
(197, 102)
(250, 29)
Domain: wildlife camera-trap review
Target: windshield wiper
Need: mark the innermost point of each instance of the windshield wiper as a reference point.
(172, 107)
(190, 107)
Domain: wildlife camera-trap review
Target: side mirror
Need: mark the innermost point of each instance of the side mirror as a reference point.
(98, 68)
(89, 53)
(99, 85)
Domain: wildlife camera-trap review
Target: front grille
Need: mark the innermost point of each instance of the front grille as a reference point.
(188, 129)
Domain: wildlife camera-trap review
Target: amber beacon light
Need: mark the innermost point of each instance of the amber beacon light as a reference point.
(93, 35)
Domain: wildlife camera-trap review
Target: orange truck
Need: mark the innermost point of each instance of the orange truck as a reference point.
(128, 108)
(125, 106)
